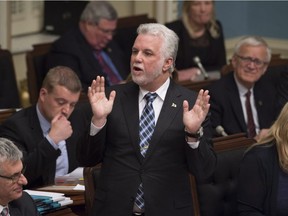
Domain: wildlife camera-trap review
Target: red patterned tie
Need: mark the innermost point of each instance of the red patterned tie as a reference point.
(250, 120)
(112, 77)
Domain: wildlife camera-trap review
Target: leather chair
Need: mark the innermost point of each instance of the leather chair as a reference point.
(9, 94)
(35, 61)
(216, 196)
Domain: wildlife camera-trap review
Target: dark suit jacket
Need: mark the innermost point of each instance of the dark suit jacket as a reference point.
(72, 50)
(213, 57)
(24, 206)
(283, 88)
(24, 129)
(259, 172)
(164, 170)
(226, 109)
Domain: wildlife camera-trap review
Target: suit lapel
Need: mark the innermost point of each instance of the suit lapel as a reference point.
(171, 106)
(236, 105)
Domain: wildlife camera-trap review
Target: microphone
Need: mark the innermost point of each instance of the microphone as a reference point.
(220, 130)
(197, 61)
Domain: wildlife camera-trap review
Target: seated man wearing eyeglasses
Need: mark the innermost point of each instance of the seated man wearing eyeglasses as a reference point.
(89, 49)
(13, 200)
(245, 101)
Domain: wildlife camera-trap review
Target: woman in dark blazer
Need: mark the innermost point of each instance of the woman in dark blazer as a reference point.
(263, 177)
(200, 35)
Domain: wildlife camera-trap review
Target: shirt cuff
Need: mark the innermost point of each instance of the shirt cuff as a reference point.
(54, 145)
(94, 129)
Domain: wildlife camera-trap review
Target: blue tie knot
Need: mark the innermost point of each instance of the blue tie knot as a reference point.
(150, 97)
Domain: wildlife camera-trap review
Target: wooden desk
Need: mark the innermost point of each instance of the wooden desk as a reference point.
(78, 206)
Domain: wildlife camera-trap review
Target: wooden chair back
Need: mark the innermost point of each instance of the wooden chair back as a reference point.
(35, 61)
(91, 176)
(6, 113)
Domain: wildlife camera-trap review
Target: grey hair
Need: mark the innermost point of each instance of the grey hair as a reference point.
(9, 151)
(96, 10)
(253, 41)
(170, 38)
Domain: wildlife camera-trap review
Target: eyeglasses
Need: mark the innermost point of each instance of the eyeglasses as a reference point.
(247, 60)
(14, 178)
(106, 31)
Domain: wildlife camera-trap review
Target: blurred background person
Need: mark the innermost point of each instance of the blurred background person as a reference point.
(263, 177)
(47, 132)
(245, 101)
(200, 35)
(89, 49)
(12, 197)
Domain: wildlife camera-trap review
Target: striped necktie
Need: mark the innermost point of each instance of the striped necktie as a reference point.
(146, 129)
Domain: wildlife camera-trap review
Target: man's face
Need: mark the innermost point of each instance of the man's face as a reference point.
(98, 36)
(250, 64)
(11, 189)
(59, 100)
(149, 68)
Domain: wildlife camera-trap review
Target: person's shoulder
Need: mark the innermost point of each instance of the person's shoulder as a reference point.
(263, 150)
(182, 90)
(25, 205)
(21, 114)
(69, 38)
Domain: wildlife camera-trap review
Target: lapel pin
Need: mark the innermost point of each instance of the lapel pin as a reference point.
(174, 105)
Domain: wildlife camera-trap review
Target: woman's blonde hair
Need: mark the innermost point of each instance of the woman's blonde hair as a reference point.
(212, 26)
(278, 132)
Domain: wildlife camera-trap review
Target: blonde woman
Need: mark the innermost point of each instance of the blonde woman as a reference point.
(200, 35)
(263, 177)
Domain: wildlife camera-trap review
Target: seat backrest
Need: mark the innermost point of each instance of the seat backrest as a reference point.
(9, 94)
(35, 61)
(216, 196)
(6, 113)
(91, 176)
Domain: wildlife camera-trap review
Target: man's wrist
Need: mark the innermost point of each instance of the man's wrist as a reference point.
(190, 136)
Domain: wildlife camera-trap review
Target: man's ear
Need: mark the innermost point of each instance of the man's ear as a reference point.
(42, 93)
(168, 63)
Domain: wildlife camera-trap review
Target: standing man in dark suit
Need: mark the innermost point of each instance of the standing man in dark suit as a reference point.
(47, 132)
(89, 49)
(160, 168)
(228, 101)
(12, 196)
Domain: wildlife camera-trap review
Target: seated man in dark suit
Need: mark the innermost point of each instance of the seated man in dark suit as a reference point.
(47, 132)
(231, 106)
(12, 197)
(89, 49)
